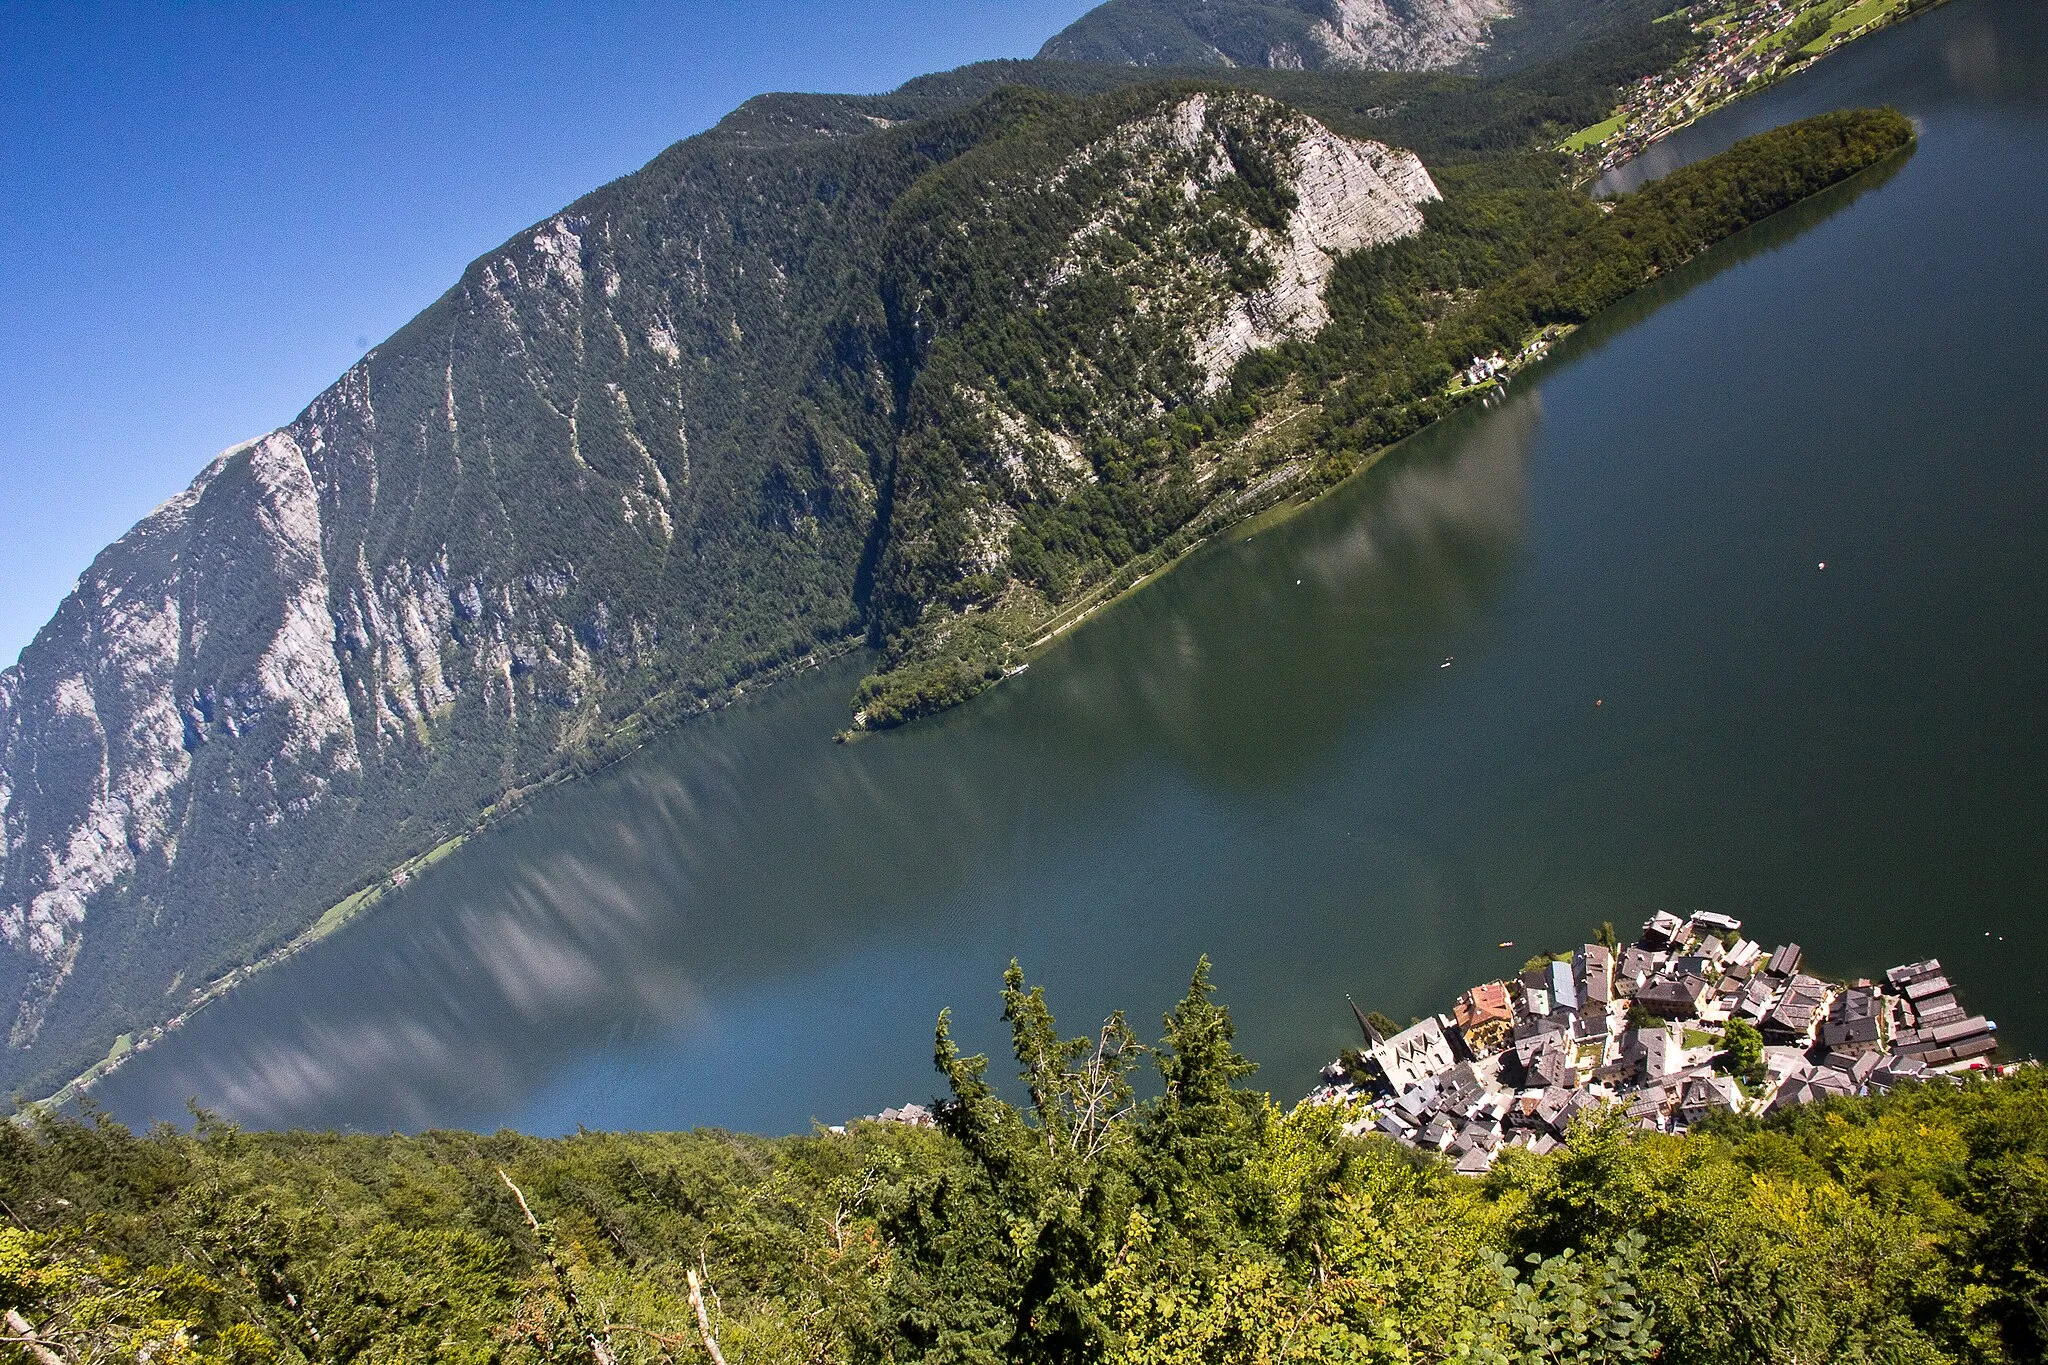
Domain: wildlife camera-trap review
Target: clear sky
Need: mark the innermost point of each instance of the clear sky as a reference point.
(209, 211)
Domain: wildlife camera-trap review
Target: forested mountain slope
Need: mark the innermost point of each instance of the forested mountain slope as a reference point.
(643, 451)
(934, 369)
(611, 462)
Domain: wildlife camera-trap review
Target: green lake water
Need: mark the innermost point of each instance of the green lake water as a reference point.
(1262, 757)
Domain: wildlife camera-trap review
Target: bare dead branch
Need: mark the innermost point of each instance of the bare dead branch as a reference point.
(25, 1335)
(600, 1349)
(704, 1318)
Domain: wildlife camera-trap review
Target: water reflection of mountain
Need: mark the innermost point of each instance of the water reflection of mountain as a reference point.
(1242, 664)
(744, 847)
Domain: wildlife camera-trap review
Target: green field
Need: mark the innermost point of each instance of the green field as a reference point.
(1599, 132)
(1854, 17)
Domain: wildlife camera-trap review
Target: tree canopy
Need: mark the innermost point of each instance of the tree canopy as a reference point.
(1196, 1221)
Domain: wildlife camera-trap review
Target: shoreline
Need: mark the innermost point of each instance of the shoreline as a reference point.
(1272, 488)
(362, 902)
(1274, 495)
(1594, 156)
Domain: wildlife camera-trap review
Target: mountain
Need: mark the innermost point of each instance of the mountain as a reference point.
(724, 412)
(1311, 35)
(935, 371)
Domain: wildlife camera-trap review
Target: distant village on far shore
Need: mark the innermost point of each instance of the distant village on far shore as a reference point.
(1692, 1019)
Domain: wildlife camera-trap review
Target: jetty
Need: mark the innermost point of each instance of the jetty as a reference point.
(1692, 1019)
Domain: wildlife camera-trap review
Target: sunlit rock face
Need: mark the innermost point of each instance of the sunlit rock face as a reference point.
(320, 618)
(226, 582)
(1294, 35)
(1403, 35)
(1350, 194)
(1346, 194)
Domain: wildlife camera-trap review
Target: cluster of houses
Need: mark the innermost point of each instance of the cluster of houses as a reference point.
(911, 1115)
(1738, 50)
(1500, 368)
(1649, 1027)
(1484, 368)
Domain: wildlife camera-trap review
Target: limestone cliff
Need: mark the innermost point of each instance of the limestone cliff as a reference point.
(1350, 194)
(1163, 253)
(1403, 35)
(1355, 35)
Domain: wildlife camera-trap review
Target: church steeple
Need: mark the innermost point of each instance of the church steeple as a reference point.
(1372, 1035)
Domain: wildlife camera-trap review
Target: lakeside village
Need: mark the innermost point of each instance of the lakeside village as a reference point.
(1746, 46)
(1691, 1020)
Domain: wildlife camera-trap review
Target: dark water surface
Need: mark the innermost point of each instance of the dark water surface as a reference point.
(1260, 757)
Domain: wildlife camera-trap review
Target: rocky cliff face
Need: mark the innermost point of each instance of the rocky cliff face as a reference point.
(1161, 253)
(1402, 35)
(210, 620)
(1349, 195)
(752, 399)
(587, 478)
(1352, 35)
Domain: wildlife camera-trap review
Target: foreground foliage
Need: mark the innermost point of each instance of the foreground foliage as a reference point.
(1087, 1224)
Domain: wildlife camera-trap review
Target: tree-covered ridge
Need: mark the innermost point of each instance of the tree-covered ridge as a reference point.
(610, 474)
(1065, 302)
(1496, 266)
(1199, 1222)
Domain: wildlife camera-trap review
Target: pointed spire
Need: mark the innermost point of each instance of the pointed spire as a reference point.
(1372, 1035)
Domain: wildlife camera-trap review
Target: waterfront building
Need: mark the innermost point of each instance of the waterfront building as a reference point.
(1485, 1017)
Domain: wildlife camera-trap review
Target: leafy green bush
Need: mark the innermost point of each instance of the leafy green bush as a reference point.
(1744, 1054)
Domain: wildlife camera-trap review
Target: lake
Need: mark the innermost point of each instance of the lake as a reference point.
(1568, 658)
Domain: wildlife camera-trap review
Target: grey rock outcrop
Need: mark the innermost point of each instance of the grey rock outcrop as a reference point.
(1350, 194)
(1376, 35)
(1403, 35)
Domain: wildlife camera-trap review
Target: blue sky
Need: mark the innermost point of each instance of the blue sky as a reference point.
(209, 211)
